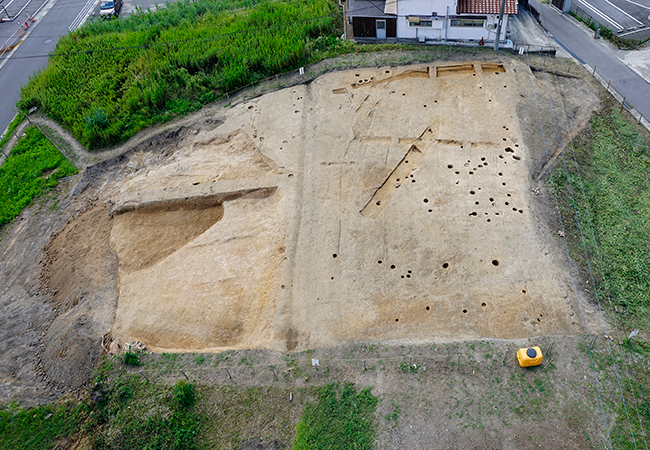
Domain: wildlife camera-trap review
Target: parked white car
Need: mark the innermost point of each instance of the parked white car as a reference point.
(110, 8)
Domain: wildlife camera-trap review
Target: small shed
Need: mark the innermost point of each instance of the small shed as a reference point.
(373, 19)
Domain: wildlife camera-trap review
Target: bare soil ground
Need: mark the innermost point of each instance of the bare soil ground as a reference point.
(382, 204)
(403, 193)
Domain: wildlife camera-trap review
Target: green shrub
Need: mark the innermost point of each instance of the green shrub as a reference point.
(131, 359)
(184, 394)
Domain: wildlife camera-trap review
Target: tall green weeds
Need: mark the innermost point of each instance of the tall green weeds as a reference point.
(110, 79)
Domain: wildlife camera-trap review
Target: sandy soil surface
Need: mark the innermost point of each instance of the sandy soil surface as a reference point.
(377, 204)
(406, 197)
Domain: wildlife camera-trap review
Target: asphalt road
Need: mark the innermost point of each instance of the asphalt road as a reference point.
(621, 16)
(595, 53)
(53, 19)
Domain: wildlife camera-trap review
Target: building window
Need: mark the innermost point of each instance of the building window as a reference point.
(467, 23)
(417, 22)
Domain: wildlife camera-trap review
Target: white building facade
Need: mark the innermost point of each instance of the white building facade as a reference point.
(430, 20)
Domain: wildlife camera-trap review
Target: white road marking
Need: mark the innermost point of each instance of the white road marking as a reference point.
(83, 15)
(601, 14)
(21, 11)
(633, 31)
(638, 4)
(38, 15)
(631, 17)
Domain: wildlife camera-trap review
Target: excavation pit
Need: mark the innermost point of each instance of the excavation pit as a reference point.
(235, 242)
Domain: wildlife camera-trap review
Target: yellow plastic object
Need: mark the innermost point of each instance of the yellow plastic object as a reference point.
(529, 357)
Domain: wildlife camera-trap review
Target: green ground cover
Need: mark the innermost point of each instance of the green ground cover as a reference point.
(339, 419)
(135, 414)
(130, 412)
(608, 189)
(110, 79)
(33, 165)
(10, 129)
(611, 194)
(39, 428)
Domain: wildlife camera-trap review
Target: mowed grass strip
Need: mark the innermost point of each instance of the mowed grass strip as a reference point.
(611, 191)
(33, 165)
(110, 79)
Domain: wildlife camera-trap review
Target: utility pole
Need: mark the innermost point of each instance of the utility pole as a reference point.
(446, 24)
(496, 41)
(343, 5)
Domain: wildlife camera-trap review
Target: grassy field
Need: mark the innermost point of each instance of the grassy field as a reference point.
(608, 189)
(10, 129)
(605, 204)
(33, 165)
(128, 411)
(39, 428)
(110, 79)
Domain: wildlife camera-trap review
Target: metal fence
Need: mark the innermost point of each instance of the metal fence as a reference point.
(626, 102)
(522, 48)
(586, 17)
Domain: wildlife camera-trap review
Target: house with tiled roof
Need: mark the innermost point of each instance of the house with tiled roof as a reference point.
(427, 20)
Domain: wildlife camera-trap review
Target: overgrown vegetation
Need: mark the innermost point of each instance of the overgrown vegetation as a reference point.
(184, 394)
(112, 78)
(340, 419)
(33, 165)
(609, 188)
(129, 412)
